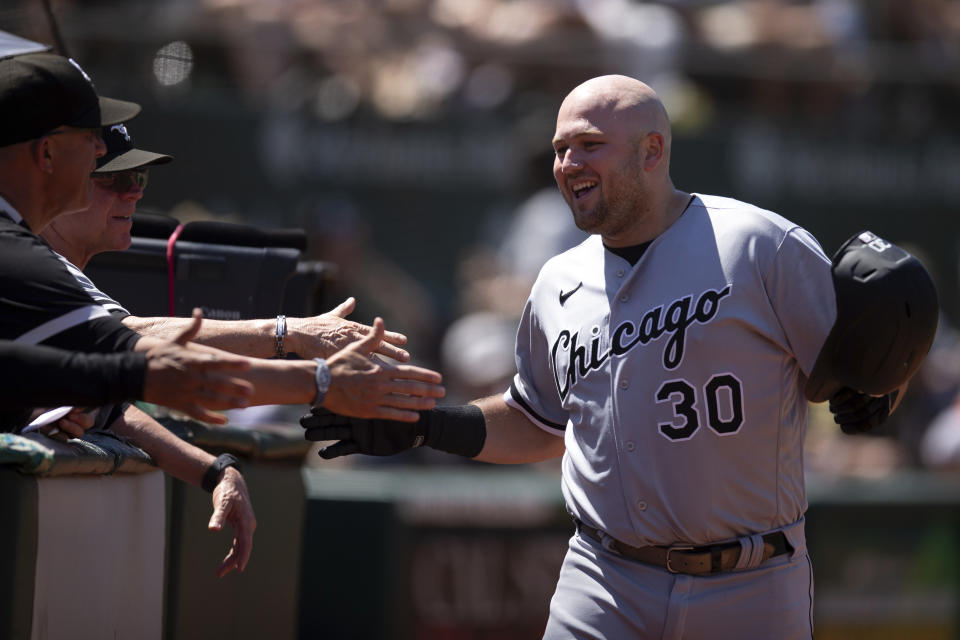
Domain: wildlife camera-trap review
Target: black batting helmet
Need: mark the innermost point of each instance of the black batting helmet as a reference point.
(887, 314)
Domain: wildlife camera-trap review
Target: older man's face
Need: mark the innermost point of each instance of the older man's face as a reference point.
(105, 225)
(75, 152)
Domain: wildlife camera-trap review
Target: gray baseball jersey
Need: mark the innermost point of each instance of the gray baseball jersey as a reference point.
(677, 382)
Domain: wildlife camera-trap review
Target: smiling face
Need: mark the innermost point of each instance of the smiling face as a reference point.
(609, 153)
(103, 226)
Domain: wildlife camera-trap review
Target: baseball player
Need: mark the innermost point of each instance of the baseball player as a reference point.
(665, 358)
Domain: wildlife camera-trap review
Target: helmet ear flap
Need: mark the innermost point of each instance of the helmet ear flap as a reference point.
(887, 315)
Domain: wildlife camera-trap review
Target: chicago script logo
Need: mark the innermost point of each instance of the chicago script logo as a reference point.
(572, 360)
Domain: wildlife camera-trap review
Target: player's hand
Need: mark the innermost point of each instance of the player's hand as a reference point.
(367, 387)
(358, 435)
(857, 412)
(231, 504)
(195, 381)
(323, 335)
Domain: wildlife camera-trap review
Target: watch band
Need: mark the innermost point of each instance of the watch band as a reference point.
(211, 477)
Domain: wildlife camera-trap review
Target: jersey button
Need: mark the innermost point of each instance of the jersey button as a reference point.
(624, 384)
(641, 505)
(620, 273)
(624, 298)
(630, 445)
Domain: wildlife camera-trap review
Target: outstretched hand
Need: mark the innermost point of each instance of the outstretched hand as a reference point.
(364, 386)
(323, 335)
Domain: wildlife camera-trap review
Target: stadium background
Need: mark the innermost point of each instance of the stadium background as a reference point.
(406, 136)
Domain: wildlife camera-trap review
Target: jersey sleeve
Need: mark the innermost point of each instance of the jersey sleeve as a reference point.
(533, 390)
(800, 288)
(41, 303)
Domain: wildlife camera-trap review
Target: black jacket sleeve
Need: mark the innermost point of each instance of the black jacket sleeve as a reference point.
(38, 376)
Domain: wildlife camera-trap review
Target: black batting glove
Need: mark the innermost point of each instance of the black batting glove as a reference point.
(857, 412)
(461, 430)
(372, 437)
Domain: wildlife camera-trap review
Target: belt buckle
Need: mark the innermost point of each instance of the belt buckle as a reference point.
(676, 548)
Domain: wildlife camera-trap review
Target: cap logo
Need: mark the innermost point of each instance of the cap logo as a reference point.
(80, 69)
(122, 130)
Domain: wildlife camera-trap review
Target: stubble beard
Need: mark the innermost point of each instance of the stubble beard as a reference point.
(622, 202)
(614, 215)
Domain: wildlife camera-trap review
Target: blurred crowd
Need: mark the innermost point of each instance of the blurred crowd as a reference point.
(415, 59)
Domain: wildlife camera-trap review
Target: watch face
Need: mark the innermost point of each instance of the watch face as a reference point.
(323, 375)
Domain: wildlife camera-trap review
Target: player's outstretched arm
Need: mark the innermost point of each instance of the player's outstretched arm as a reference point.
(182, 460)
(315, 337)
(512, 438)
(488, 430)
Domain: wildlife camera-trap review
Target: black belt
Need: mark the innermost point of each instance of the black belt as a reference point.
(693, 560)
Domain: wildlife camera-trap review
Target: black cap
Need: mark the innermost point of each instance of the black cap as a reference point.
(42, 91)
(121, 155)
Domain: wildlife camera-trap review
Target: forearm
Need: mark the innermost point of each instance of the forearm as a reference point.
(274, 381)
(174, 456)
(281, 381)
(512, 438)
(254, 338)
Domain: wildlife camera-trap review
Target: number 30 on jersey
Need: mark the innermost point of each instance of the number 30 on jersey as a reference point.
(722, 396)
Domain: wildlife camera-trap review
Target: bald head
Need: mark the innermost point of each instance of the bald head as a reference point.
(631, 103)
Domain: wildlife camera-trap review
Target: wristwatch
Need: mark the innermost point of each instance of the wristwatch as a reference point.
(211, 477)
(322, 378)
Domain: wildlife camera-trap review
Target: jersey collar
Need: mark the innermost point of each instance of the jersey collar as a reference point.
(7, 209)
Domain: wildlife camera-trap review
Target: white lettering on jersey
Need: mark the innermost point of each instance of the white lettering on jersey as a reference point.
(627, 335)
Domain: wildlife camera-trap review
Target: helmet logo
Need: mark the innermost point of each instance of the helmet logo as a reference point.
(877, 244)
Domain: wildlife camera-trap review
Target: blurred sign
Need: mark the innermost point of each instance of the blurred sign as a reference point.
(783, 164)
(295, 150)
(482, 583)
